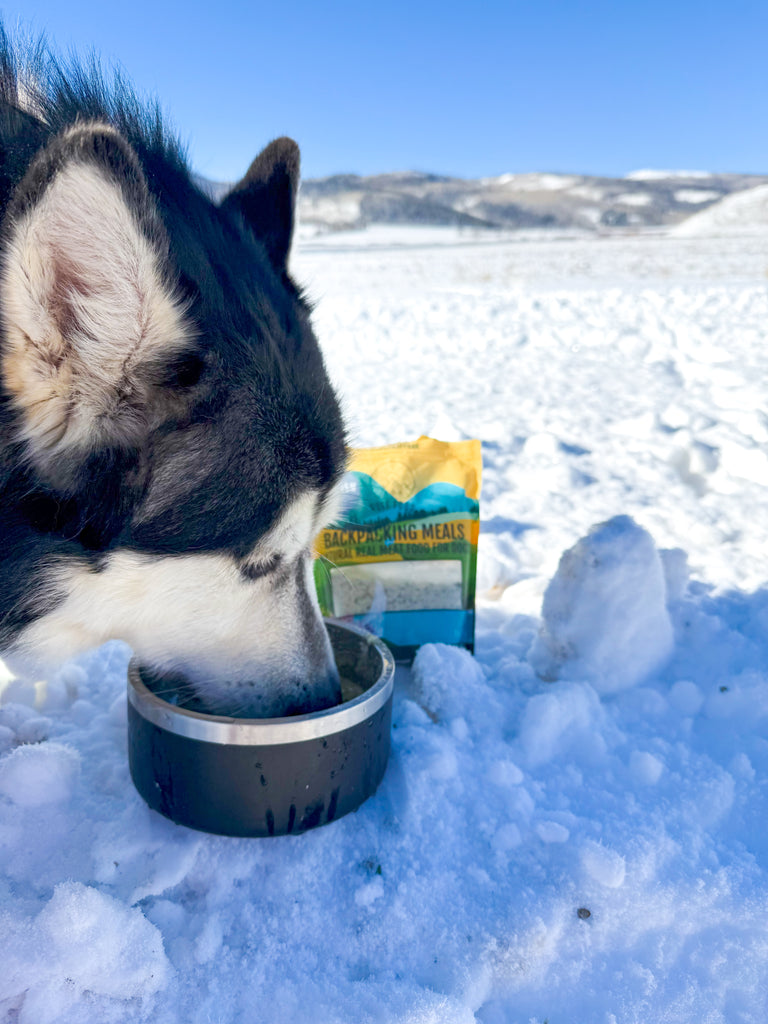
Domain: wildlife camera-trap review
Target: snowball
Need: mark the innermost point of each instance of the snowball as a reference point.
(41, 774)
(604, 612)
(603, 865)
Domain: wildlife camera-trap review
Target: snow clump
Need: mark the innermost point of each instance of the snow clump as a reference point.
(82, 943)
(604, 614)
(43, 773)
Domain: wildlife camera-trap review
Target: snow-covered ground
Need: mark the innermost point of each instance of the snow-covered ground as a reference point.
(587, 844)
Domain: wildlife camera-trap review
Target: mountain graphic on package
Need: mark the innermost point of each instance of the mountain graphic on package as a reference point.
(374, 504)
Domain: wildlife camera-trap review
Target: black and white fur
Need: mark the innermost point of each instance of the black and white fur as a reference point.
(169, 439)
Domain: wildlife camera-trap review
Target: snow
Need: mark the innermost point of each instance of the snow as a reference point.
(651, 174)
(694, 196)
(533, 182)
(613, 579)
(38, 773)
(596, 193)
(82, 946)
(560, 850)
(741, 212)
(332, 210)
(634, 198)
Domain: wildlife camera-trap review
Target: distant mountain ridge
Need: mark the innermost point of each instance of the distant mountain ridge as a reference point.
(515, 201)
(642, 199)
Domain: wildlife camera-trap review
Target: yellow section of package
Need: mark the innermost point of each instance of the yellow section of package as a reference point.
(408, 467)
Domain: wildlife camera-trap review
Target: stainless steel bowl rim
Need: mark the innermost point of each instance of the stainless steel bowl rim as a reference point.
(267, 731)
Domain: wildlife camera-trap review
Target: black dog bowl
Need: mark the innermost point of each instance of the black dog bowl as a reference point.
(266, 776)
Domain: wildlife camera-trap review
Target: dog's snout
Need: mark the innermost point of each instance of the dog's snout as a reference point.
(284, 663)
(321, 667)
(324, 693)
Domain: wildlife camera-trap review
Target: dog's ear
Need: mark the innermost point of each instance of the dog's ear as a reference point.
(85, 299)
(266, 198)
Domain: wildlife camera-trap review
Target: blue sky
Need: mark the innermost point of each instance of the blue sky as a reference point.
(468, 89)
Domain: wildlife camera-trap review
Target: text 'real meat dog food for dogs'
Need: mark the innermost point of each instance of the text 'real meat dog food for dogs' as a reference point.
(402, 558)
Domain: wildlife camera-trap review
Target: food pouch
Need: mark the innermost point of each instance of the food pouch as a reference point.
(402, 558)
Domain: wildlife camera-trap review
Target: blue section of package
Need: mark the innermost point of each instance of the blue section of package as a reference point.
(410, 629)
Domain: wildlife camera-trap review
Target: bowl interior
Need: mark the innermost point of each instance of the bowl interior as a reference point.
(360, 660)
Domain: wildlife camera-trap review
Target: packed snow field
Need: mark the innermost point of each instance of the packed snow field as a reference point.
(572, 824)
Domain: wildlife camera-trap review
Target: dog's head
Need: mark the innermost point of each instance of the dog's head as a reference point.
(173, 416)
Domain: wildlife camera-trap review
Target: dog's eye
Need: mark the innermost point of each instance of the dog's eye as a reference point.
(184, 372)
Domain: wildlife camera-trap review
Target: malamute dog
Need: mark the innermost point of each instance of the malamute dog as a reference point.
(169, 439)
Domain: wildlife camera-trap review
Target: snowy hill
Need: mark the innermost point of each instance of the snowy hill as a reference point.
(644, 198)
(739, 213)
(515, 201)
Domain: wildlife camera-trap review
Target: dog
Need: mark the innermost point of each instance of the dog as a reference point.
(170, 442)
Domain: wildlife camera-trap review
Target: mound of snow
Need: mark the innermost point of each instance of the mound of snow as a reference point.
(739, 213)
(570, 720)
(442, 676)
(604, 614)
(41, 773)
(83, 943)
